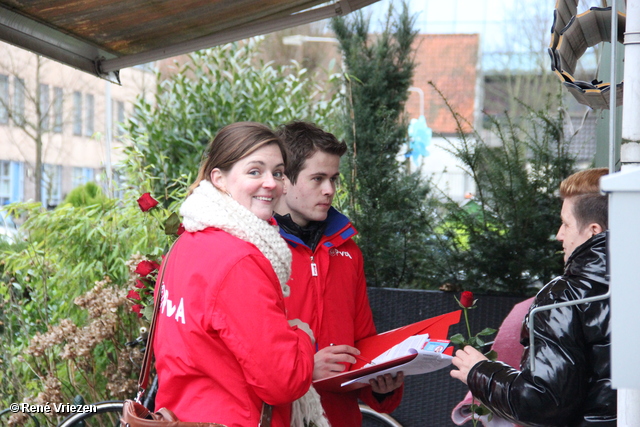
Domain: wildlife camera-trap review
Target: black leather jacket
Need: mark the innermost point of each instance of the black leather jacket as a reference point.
(571, 384)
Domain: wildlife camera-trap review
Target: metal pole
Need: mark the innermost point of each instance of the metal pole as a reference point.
(630, 146)
(421, 93)
(612, 88)
(629, 399)
(107, 137)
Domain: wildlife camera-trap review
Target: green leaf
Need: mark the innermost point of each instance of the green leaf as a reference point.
(172, 224)
(147, 312)
(458, 339)
(480, 410)
(487, 331)
(491, 355)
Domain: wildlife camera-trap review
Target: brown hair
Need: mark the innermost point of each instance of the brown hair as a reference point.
(302, 140)
(589, 205)
(583, 182)
(232, 143)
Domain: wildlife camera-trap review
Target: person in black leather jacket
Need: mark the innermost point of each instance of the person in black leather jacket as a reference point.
(571, 383)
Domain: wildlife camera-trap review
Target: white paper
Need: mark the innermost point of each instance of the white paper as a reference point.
(409, 346)
(425, 361)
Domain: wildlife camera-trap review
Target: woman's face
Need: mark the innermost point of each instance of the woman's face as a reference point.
(255, 181)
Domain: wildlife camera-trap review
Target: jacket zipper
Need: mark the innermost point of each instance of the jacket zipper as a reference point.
(314, 268)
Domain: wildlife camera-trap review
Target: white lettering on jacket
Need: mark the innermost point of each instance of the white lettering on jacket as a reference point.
(336, 252)
(166, 303)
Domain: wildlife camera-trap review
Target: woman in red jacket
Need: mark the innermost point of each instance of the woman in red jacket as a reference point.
(223, 345)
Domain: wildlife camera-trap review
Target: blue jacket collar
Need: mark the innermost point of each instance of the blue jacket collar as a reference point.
(339, 229)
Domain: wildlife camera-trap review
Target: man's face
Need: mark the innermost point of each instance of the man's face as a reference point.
(569, 233)
(310, 198)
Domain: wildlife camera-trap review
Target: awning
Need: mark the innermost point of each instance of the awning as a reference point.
(104, 36)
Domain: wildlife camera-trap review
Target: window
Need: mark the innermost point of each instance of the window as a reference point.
(11, 182)
(57, 109)
(51, 185)
(81, 176)
(44, 105)
(5, 182)
(4, 99)
(18, 101)
(119, 118)
(88, 126)
(77, 113)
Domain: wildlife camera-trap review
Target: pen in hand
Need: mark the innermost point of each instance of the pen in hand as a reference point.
(359, 357)
(363, 359)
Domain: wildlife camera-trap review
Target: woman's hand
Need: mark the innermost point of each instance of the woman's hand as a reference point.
(332, 360)
(304, 327)
(464, 360)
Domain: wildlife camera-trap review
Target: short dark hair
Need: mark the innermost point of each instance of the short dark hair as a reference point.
(302, 140)
(591, 208)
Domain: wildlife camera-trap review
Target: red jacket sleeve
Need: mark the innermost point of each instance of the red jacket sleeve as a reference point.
(249, 315)
(388, 404)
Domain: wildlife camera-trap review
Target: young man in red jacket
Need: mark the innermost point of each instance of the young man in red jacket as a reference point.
(328, 288)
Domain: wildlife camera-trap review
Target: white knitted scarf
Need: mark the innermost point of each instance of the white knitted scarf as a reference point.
(209, 207)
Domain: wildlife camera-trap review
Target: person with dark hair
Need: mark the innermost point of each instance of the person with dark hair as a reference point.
(328, 288)
(225, 351)
(571, 382)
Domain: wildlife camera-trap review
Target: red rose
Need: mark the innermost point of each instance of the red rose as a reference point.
(137, 309)
(145, 268)
(140, 284)
(146, 202)
(180, 229)
(133, 295)
(466, 299)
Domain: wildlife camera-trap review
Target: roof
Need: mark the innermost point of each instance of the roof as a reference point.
(450, 61)
(104, 36)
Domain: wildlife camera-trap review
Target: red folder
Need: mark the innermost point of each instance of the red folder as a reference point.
(373, 346)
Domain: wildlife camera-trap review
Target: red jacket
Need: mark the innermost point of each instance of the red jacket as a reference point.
(223, 344)
(335, 304)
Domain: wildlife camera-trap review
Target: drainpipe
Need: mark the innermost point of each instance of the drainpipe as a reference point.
(107, 137)
(630, 146)
(629, 399)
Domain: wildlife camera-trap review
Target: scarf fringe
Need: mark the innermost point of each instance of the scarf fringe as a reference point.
(308, 410)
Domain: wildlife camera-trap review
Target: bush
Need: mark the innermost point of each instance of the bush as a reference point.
(64, 309)
(504, 240)
(212, 89)
(86, 195)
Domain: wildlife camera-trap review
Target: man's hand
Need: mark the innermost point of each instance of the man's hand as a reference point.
(464, 360)
(332, 360)
(386, 383)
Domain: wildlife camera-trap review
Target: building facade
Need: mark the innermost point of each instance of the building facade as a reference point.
(53, 115)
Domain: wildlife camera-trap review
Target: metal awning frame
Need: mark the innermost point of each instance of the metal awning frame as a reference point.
(47, 41)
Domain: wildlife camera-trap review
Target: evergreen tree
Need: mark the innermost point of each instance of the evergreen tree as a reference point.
(386, 204)
(504, 240)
